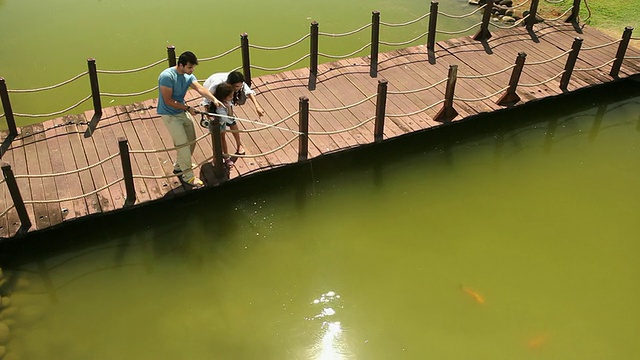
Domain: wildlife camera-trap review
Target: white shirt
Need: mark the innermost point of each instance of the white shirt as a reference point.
(216, 79)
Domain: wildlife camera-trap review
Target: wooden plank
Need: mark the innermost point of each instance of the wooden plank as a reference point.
(74, 133)
(20, 167)
(49, 184)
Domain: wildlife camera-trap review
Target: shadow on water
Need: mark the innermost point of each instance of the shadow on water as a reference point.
(194, 225)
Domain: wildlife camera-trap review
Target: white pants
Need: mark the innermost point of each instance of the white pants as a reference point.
(182, 131)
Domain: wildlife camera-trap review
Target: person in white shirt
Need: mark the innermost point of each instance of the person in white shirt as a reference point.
(242, 91)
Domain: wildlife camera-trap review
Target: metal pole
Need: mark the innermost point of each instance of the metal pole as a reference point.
(127, 173)
(303, 139)
(8, 111)
(571, 63)
(381, 104)
(246, 62)
(447, 113)
(313, 60)
(510, 97)
(95, 88)
(375, 43)
(171, 55)
(622, 49)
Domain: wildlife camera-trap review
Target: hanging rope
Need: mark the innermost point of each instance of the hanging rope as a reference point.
(542, 82)
(132, 70)
(462, 16)
(417, 111)
(74, 197)
(52, 86)
(279, 47)
(595, 67)
(282, 67)
(481, 98)
(345, 34)
(406, 23)
(345, 56)
(57, 112)
(221, 55)
(405, 42)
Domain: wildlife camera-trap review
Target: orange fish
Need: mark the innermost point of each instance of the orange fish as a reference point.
(477, 297)
(538, 341)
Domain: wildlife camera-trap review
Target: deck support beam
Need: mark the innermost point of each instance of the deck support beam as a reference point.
(127, 173)
(375, 43)
(95, 88)
(571, 63)
(8, 111)
(484, 34)
(510, 96)
(303, 121)
(381, 104)
(622, 49)
(313, 58)
(575, 13)
(448, 113)
(431, 34)
(16, 197)
(171, 55)
(246, 60)
(218, 157)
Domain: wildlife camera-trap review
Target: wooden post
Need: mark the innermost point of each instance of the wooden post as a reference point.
(95, 88)
(12, 185)
(8, 111)
(246, 61)
(533, 14)
(313, 60)
(127, 173)
(431, 35)
(375, 43)
(571, 63)
(303, 139)
(447, 113)
(622, 49)
(216, 140)
(381, 104)
(171, 55)
(510, 97)
(484, 33)
(575, 12)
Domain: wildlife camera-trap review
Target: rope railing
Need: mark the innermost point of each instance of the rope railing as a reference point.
(3, 213)
(279, 47)
(345, 106)
(220, 55)
(555, 1)
(70, 172)
(458, 32)
(481, 98)
(548, 60)
(281, 67)
(50, 87)
(462, 16)
(542, 82)
(595, 67)
(159, 177)
(264, 125)
(600, 46)
(345, 56)
(155, 151)
(496, 6)
(482, 76)
(517, 23)
(404, 42)
(557, 18)
(405, 23)
(346, 33)
(417, 111)
(632, 57)
(93, 192)
(417, 90)
(57, 112)
(341, 130)
(130, 94)
(131, 70)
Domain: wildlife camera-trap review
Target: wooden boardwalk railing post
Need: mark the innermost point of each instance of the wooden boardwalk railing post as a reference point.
(127, 173)
(375, 43)
(246, 61)
(12, 185)
(510, 96)
(171, 55)
(313, 59)
(622, 49)
(575, 12)
(571, 63)
(216, 140)
(303, 138)
(95, 88)
(533, 14)
(484, 33)
(447, 113)
(431, 35)
(381, 104)
(8, 111)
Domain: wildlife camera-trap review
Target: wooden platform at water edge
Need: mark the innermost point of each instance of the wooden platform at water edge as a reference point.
(45, 158)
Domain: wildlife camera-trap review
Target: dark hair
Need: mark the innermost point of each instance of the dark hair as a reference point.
(235, 77)
(223, 91)
(187, 57)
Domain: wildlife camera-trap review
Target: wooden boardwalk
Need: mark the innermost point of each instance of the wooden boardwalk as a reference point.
(60, 145)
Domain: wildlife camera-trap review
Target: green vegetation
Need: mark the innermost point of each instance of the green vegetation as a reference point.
(609, 16)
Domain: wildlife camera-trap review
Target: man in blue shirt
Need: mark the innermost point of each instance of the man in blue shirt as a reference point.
(177, 116)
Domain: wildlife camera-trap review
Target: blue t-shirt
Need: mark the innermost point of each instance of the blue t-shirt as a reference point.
(179, 85)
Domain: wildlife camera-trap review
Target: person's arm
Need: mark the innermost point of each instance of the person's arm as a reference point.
(259, 108)
(206, 93)
(166, 96)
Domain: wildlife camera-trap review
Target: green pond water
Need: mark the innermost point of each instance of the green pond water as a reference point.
(45, 43)
(519, 242)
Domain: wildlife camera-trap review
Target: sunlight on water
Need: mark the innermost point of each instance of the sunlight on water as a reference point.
(517, 244)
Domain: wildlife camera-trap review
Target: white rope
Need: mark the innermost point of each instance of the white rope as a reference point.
(635, 38)
(221, 55)
(486, 75)
(7, 210)
(279, 47)
(170, 149)
(265, 125)
(28, 176)
(346, 106)
(57, 112)
(405, 42)
(131, 94)
(510, 26)
(481, 98)
(50, 87)
(542, 82)
(282, 67)
(559, 17)
(415, 112)
(632, 57)
(462, 16)
(548, 60)
(272, 151)
(342, 130)
(74, 197)
(132, 70)
(406, 23)
(600, 46)
(344, 56)
(158, 177)
(417, 90)
(345, 34)
(510, 8)
(554, 1)
(595, 67)
(1, 116)
(458, 32)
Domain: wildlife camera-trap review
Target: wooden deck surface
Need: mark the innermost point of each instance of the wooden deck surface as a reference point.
(60, 145)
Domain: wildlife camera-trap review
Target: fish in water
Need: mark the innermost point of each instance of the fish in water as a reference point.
(474, 295)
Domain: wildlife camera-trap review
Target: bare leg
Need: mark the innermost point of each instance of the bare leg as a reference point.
(236, 136)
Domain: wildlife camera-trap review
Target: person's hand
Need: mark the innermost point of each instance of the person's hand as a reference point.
(260, 111)
(191, 110)
(218, 103)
